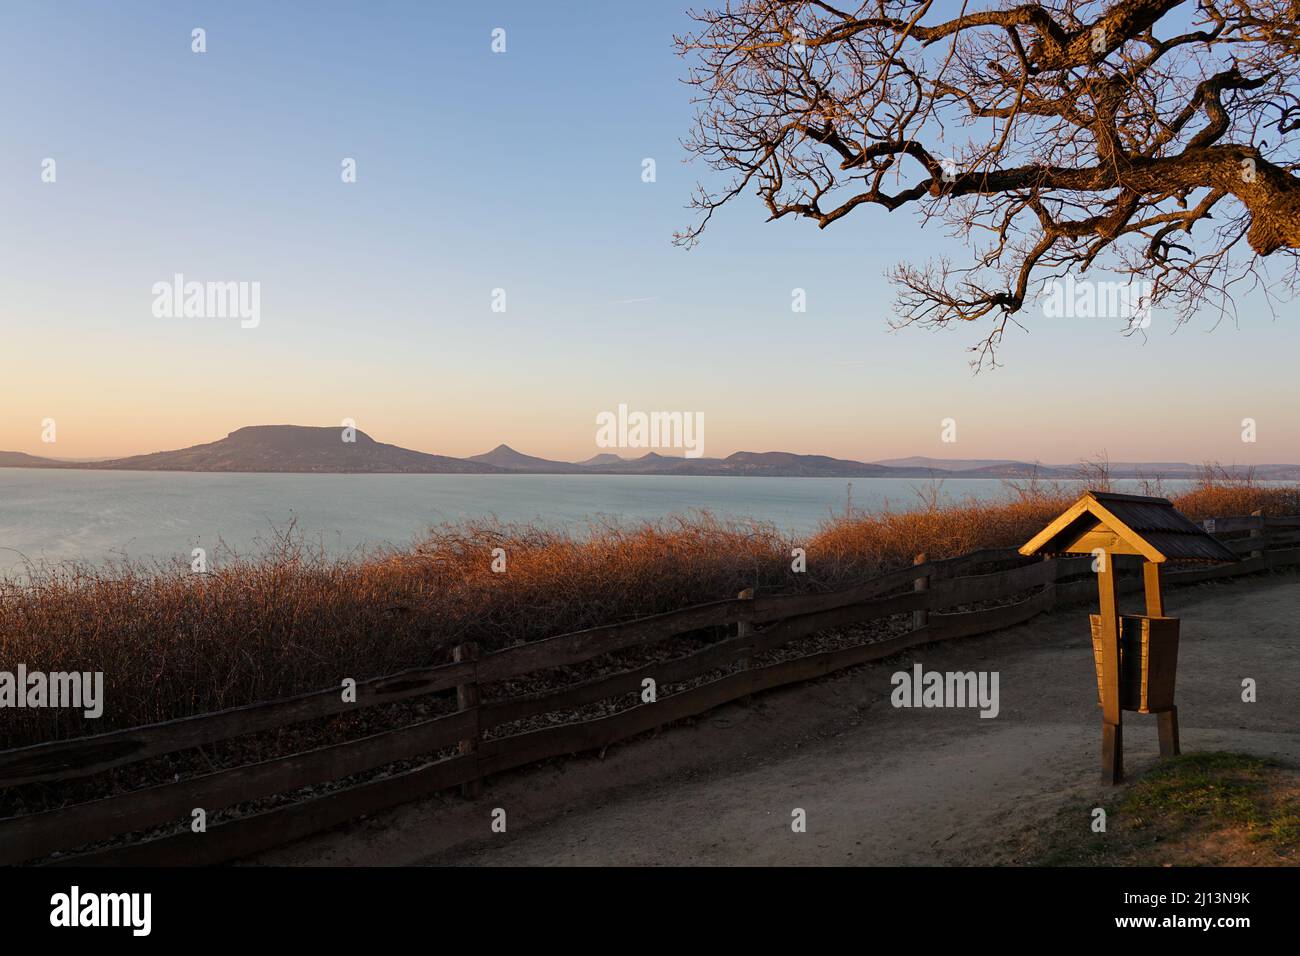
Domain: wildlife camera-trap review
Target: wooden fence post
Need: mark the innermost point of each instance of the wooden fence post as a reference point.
(744, 628)
(921, 618)
(1258, 531)
(467, 698)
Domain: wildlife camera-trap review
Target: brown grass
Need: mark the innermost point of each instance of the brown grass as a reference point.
(172, 643)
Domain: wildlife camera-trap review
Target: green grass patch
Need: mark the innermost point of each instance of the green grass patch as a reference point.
(1198, 809)
(1219, 789)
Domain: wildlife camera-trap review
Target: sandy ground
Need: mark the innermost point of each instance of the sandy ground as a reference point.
(879, 785)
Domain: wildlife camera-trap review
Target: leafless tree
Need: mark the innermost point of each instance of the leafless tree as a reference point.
(1150, 138)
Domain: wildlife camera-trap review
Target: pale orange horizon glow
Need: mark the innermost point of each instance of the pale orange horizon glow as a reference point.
(173, 392)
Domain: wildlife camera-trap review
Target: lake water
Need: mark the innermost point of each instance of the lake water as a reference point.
(98, 515)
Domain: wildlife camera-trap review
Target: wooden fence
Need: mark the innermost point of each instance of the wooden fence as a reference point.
(731, 634)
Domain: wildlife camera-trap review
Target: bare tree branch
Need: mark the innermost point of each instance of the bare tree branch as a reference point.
(1090, 141)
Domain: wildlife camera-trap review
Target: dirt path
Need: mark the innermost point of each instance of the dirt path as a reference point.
(879, 785)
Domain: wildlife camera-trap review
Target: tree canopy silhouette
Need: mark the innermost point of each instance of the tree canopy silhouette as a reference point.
(1152, 138)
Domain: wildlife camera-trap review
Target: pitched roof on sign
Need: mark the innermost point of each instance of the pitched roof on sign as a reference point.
(1150, 525)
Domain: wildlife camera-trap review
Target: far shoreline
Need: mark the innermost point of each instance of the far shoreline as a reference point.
(931, 476)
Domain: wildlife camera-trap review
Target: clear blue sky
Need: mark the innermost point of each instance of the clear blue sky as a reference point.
(522, 171)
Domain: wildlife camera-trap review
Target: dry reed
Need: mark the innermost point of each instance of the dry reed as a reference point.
(172, 643)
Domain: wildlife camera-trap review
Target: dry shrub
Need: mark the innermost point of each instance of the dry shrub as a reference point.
(172, 643)
(1219, 493)
(890, 539)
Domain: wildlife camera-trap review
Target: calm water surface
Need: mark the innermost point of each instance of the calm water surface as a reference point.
(94, 516)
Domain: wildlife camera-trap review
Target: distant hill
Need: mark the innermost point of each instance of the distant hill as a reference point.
(1017, 469)
(653, 463)
(1277, 472)
(295, 448)
(17, 459)
(608, 458)
(748, 463)
(1010, 468)
(304, 448)
(1168, 468)
(967, 464)
(503, 456)
(786, 463)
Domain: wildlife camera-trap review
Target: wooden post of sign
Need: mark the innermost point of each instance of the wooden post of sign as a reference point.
(1257, 531)
(921, 618)
(1151, 585)
(467, 698)
(1112, 730)
(1167, 723)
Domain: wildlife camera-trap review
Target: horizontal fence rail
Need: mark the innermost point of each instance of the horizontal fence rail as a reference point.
(475, 740)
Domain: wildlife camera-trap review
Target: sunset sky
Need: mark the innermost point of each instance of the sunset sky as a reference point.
(521, 171)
